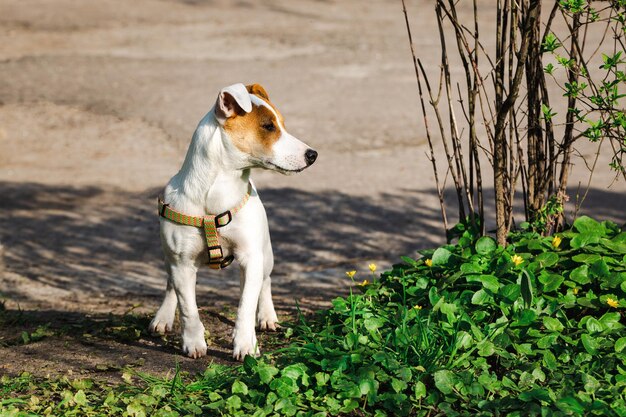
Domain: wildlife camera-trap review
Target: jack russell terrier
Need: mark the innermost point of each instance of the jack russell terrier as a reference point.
(211, 213)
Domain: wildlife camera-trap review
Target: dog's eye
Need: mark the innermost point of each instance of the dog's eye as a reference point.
(269, 127)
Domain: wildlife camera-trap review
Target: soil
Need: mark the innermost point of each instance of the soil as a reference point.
(98, 102)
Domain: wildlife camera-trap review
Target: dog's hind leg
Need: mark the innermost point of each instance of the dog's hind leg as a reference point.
(163, 321)
(266, 315)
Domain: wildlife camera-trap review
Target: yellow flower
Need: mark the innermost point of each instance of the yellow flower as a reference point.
(575, 290)
(612, 302)
(556, 242)
(364, 283)
(428, 262)
(517, 260)
(418, 307)
(350, 274)
(373, 267)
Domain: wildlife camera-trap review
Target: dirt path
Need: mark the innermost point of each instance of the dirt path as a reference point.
(98, 102)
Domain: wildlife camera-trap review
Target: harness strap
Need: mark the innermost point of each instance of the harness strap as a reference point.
(210, 223)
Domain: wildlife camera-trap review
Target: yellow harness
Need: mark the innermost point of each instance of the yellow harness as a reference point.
(210, 223)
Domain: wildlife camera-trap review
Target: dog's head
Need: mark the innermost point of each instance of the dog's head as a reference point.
(257, 129)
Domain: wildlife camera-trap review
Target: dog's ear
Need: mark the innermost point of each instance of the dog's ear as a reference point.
(232, 100)
(258, 90)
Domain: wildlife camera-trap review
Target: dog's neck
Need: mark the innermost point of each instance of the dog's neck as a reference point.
(214, 175)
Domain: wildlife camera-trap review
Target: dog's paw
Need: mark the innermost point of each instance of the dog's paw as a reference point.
(194, 344)
(268, 323)
(245, 343)
(160, 325)
(267, 319)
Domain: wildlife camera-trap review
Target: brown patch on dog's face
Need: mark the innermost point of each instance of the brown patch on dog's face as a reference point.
(259, 91)
(256, 132)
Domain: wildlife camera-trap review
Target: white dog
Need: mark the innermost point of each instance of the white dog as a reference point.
(211, 212)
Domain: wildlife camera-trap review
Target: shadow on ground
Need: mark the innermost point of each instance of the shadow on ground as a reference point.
(105, 241)
(102, 345)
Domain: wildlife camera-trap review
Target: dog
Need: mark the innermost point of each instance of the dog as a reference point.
(244, 130)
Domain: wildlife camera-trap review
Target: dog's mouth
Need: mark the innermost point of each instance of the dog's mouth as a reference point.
(272, 166)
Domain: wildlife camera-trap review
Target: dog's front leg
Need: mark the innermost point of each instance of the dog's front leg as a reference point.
(183, 279)
(244, 337)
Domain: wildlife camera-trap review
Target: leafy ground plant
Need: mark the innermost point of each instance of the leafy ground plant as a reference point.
(470, 329)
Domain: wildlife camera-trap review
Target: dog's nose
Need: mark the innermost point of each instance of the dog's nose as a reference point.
(310, 155)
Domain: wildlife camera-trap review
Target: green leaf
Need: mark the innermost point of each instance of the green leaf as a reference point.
(372, 324)
(485, 245)
(599, 269)
(511, 292)
(547, 259)
(444, 381)
(547, 342)
(283, 386)
(535, 394)
(80, 398)
(589, 343)
(551, 282)
(266, 373)
(481, 297)
(441, 257)
(611, 321)
(486, 348)
(398, 385)
(614, 246)
(587, 224)
(523, 348)
(463, 340)
(239, 387)
(285, 407)
(594, 326)
(586, 258)
(134, 409)
(233, 402)
(584, 239)
(433, 296)
(549, 360)
(570, 405)
(620, 238)
(321, 378)
(526, 288)
(419, 390)
(297, 371)
(448, 308)
(525, 318)
(367, 386)
(620, 344)
(580, 275)
(471, 268)
(552, 324)
(490, 282)
(591, 384)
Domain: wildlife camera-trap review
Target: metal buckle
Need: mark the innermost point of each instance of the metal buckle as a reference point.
(219, 216)
(163, 207)
(227, 261)
(221, 263)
